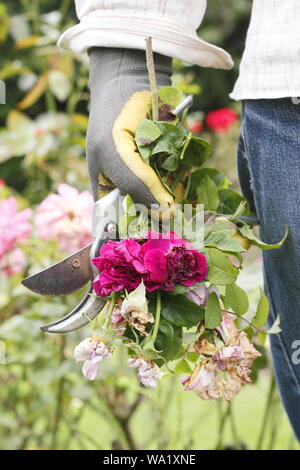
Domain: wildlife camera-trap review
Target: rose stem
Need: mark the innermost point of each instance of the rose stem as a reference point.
(152, 78)
(157, 317)
(111, 307)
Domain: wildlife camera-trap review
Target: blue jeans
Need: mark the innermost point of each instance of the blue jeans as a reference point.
(269, 174)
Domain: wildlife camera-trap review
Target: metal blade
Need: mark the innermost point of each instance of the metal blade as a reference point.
(63, 277)
(86, 311)
(90, 305)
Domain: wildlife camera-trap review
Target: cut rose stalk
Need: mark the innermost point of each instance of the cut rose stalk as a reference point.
(109, 313)
(157, 317)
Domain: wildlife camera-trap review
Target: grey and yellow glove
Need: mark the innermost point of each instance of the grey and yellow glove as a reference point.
(120, 97)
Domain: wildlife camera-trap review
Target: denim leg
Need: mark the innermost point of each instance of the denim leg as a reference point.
(269, 149)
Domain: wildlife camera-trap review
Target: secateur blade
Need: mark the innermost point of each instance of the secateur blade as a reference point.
(64, 277)
(74, 272)
(91, 305)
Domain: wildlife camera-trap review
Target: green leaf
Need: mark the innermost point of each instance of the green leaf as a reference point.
(181, 311)
(128, 217)
(223, 241)
(275, 328)
(240, 209)
(171, 163)
(170, 95)
(192, 356)
(182, 367)
(230, 201)
(262, 337)
(147, 132)
(171, 133)
(196, 152)
(168, 340)
(247, 232)
(207, 194)
(236, 298)
(212, 311)
(171, 139)
(220, 270)
(262, 311)
(197, 176)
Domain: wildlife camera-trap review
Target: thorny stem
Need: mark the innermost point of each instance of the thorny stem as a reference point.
(222, 422)
(152, 78)
(59, 399)
(157, 317)
(111, 307)
(244, 319)
(269, 400)
(234, 431)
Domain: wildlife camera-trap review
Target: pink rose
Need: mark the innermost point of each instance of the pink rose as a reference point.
(12, 262)
(148, 372)
(171, 261)
(91, 351)
(160, 263)
(14, 226)
(66, 217)
(120, 265)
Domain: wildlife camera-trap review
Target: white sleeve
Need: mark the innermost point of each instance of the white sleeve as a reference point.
(172, 24)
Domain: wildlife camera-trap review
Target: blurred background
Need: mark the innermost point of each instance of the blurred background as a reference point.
(45, 403)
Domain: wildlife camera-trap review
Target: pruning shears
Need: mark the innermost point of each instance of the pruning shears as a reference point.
(75, 271)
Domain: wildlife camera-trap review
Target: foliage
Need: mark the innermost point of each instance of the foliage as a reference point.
(44, 403)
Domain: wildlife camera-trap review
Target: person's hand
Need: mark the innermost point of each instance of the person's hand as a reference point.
(116, 75)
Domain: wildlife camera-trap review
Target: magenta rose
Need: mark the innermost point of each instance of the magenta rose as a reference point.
(120, 265)
(170, 261)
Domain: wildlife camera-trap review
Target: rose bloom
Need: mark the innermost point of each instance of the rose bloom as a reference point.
(171, 261)
(220, 120)
(91, 351)
(66, 217)
(226, 365)
(161, 263)
(14, 226)
(12, 262)
(148, 372)
(120, 265)
(199, 295)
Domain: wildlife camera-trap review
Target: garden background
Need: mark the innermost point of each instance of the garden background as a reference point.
(45, 403)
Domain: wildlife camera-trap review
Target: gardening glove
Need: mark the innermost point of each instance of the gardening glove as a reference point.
(117, 77)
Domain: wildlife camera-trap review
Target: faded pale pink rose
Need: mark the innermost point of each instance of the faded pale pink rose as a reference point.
(91, 351)
(148, 372)
(118, 322)
(212, 382)
(225, 363)
(200, 294)
(66, 217)
(15, 227)
(12, 262)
